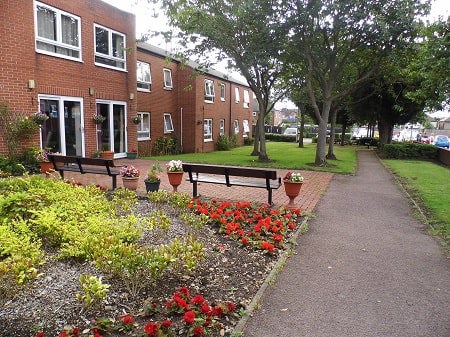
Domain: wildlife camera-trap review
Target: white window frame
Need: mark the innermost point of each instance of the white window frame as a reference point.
(168, 118)
(142, 81)
(58, 42)
(236, 95)
(222, 127)
(222, 92)
(245, 127)
(141, 128)
(207, 130)
(209, 91)
(236, 126)
(246, 99)
(110, 56)
(167, 76)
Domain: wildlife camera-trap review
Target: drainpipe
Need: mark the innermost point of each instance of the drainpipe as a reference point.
(181, 129)
(229, 124)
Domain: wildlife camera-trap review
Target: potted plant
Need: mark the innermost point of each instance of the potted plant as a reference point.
(98, 119)
(132, 154)
(130, 177)
(136, 119)
(153, 179)
(44, 164)
(175, 173)
(106, 153)
(39, 118)
(293, 181)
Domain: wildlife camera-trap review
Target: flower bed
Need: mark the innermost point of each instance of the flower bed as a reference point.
(201, 289)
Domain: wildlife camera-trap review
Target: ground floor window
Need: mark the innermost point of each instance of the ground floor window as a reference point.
(222, 127)
(168, 125)
(245, 127)
(207, 130)
(112, 133)
(144, 126)
(63, 131)
(236, 126)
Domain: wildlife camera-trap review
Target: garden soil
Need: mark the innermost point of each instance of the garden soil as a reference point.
(367, 268)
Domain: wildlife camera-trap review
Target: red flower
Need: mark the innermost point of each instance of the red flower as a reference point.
(166, 323)
(278, 238)
(189, 317)
(217, 311)
(39, 334)
(75, 331)
(198, 331)
(267, 246)
(184, 291)
(181, 302)
(291, 226)
(206, 309)
(97, 335)
(151, 329)
(198, 299)
(244, 241)
(128, 319)
(231, 306)
(63, 334)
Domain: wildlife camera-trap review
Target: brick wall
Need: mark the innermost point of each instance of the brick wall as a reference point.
(57, 76)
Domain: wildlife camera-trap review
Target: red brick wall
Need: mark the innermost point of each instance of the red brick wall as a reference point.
(57, 76)
(159, 100)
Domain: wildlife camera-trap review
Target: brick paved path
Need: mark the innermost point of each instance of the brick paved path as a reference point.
(313, 188)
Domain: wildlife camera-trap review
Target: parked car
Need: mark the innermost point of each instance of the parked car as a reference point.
(291, 131)
(425, 139)
(441, 141)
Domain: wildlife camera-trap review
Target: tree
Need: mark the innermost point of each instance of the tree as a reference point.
(250, 33)
(334, 38)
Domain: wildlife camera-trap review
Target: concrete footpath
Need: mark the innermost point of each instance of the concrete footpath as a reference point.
(366, 267)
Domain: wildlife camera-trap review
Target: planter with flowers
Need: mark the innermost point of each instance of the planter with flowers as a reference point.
(136, 120)
(293, 182)
(130, 177)
(39, 118)
(132, 154)
(175, 173)
(45, 166)
(98, 119)
(153, 179)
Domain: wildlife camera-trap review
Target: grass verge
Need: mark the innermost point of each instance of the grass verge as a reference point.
(282, 155)
(429, 185)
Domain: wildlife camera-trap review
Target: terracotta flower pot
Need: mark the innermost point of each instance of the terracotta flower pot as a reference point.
(175, 179)
(292, 190)
(107, 154)
(130, 183)
(45, 166)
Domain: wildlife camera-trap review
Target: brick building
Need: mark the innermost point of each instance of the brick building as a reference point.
(75, 59)
(194, 106)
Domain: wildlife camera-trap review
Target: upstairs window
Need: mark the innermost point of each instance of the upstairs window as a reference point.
(168, 125)
(209, 91)
(109, 48)
(143, 128)
(57, 33)
(222, 91)
(144, 76)
(236, 95)
(167, 79)
(246, 99)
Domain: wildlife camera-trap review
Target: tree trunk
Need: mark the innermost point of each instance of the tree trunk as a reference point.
(322, 135)
(302, 128)
(333, 117)
(257, 135)
(344, 130)
(385, 130)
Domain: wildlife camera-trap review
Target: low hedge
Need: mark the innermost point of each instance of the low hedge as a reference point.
(410, 151)
(275, 137)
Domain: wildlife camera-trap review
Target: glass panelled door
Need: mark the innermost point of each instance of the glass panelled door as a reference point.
(113, 133)
(63, 130)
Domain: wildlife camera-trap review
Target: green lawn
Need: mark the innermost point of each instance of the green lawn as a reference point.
(430, 184)
(282, 155)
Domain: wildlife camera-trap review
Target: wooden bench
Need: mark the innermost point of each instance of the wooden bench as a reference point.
(226, 175)
(84, 165)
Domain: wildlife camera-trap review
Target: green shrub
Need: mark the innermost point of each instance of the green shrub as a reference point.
(314, 140)
(410, 151)
(224, 143)
(165, 146)
(367, 141)
(275, 137)
(249, 141)
(94, 292)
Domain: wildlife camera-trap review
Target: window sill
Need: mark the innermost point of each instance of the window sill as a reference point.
(209, 102)
(207, 140)
(168, 88)
(110, 67)
(60, 56)
(143, 90)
